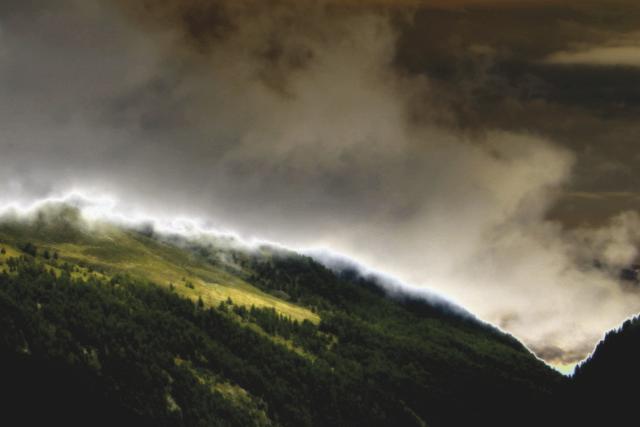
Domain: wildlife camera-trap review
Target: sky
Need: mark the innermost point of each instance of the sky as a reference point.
(483, 149)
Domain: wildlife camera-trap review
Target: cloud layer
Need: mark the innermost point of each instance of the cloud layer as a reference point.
(313, 124)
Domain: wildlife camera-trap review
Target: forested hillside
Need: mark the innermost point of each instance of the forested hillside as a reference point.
(603, 387)
(239, 337)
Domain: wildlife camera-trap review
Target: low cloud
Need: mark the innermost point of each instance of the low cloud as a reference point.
(296, 125)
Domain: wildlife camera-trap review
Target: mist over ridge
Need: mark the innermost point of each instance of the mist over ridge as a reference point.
(95, 216)
(408, 138)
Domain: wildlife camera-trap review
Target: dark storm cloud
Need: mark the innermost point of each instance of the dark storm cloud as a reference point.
(431, 140)
(567, 71)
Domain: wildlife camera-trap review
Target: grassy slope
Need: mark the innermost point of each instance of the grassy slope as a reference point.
(113, 250)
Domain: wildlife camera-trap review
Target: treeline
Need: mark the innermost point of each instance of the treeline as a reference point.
(128, 353)
(93, 352)
(302, 334)
(125, 338)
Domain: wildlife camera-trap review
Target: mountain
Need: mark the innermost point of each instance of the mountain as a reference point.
(604, 386)
(113, 325)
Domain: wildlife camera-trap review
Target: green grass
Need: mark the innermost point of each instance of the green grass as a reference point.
(113, 251)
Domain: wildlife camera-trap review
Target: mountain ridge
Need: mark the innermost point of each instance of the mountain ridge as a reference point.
(271, 337)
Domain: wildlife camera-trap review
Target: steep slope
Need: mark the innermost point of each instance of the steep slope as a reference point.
(191, 268)
(604, 385)
(163, 330)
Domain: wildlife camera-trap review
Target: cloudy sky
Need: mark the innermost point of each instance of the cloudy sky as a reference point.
(484, 149)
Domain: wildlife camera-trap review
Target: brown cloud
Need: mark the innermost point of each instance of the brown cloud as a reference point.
(410, 141)
(626, 56)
